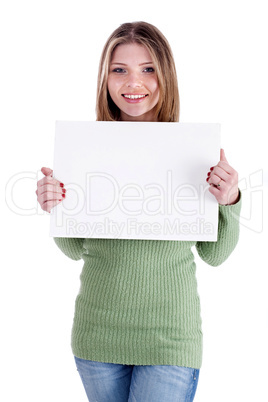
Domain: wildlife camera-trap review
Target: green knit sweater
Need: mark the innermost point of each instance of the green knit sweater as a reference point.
(138, 302)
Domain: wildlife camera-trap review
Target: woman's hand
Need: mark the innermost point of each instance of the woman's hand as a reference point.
(50, 191)
(223, 180)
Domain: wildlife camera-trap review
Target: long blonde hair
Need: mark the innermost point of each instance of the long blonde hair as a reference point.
(145, 34)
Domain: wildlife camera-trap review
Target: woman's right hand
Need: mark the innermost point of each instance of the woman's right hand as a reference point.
(50, 191)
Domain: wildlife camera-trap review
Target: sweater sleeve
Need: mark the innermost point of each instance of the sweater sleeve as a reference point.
(72, 247)
(215, 253)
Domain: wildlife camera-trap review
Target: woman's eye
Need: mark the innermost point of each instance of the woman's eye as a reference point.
(118, 70)
(149, 70)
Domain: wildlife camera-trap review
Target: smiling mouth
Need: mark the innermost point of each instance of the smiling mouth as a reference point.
(134, 96)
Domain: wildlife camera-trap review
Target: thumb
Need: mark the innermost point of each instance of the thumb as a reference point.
(47, 171)
(223, 157)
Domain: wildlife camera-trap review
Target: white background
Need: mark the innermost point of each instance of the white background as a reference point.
(49, 60)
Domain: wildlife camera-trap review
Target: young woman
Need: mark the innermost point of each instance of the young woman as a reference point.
(137, 327)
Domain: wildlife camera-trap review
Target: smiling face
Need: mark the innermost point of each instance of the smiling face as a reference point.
(133, 83)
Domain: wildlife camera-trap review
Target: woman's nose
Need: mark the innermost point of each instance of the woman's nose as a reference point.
(134, 81)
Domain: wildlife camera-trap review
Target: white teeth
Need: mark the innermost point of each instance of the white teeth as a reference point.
(134, 96)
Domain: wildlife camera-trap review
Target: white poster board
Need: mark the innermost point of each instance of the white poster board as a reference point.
(136, 180)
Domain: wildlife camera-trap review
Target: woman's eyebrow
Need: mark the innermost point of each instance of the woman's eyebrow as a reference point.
(123, 64)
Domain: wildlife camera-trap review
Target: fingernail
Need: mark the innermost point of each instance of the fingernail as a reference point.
(63, 190)
(209, 173)
(212, 168)
(61, 184)
(63, 195)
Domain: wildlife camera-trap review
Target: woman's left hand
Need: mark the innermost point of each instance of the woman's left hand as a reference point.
(223, 180)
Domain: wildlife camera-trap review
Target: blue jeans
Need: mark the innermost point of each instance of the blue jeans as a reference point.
(108, 382)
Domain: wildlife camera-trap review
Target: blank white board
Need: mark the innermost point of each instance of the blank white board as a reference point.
(136, 180)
